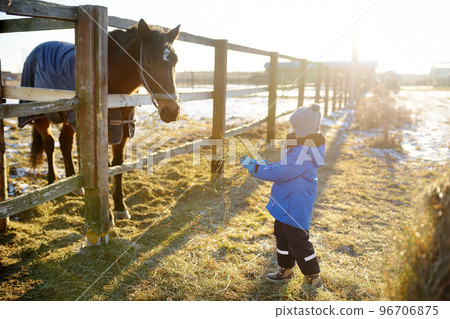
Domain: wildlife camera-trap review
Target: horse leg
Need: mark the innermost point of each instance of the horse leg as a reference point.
(42, 125)
(120, 209)
(66, 144)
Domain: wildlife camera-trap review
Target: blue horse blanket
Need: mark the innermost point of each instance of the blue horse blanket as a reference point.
(51, 65)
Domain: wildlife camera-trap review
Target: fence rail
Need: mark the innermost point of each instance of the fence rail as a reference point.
(91, 100)
(20, 203)
(39, 9)
(36, 108)
(59, 97)
(33, 24)
(185, 148)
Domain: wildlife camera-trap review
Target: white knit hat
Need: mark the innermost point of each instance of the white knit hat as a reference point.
(306, 120)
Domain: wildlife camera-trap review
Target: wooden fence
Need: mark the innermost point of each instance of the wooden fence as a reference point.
(91, 100)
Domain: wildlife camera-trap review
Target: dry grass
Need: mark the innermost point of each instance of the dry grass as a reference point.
(196, 238)
(424, 247)
(379, 114)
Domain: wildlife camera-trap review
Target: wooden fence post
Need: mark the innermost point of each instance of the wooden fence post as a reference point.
(327, 89)
(219, 103)
(91, 66)
(273, 86)
(346, 81)
(3, 165)
(302, 82)
(358, 88)
(334, 89)
(354, 71)
(318, 82)
(340, 89)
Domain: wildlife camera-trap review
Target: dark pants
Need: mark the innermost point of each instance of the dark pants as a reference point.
(293, 245)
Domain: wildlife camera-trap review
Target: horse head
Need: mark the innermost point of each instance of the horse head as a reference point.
(157, 67)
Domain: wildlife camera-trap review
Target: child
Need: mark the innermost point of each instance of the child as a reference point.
(293, 194)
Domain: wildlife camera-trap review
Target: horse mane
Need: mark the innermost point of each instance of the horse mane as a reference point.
(122, 37)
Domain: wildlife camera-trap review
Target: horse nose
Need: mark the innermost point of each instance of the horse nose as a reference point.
(169, 111)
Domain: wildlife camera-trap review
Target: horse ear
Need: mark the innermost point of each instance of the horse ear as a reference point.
(173, 34)
(144, 30)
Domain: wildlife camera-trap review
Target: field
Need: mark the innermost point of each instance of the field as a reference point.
(196, 238)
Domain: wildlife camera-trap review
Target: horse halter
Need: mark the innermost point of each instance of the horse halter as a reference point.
(144, 81)
(147, 87)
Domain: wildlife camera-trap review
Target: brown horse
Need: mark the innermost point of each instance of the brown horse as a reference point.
(140, 55)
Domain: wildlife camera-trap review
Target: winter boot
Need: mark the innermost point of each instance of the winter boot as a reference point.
(313, 282)
(281, 274)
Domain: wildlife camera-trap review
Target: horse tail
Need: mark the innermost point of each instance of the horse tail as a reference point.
(37, 148)
(27, 80)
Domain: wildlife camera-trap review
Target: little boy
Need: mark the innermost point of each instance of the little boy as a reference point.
(293, 194)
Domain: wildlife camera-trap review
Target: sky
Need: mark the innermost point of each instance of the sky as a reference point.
(405, 36)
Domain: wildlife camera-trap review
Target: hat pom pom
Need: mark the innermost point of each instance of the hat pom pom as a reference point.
(315, 107)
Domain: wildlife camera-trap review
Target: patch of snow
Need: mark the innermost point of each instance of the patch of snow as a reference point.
(24, 187)
(327, 121)
(427, 138)
(15, 172)
(239, 110)
(11, 189)
(17, 145)
(389, 153)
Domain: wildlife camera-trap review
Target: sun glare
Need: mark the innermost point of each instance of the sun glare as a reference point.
(404, 36)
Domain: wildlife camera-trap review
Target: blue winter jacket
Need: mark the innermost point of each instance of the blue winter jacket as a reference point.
(295, 184)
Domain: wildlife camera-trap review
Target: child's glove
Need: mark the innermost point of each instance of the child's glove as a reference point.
(245, 161)
(251, 167)
(249, 164)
